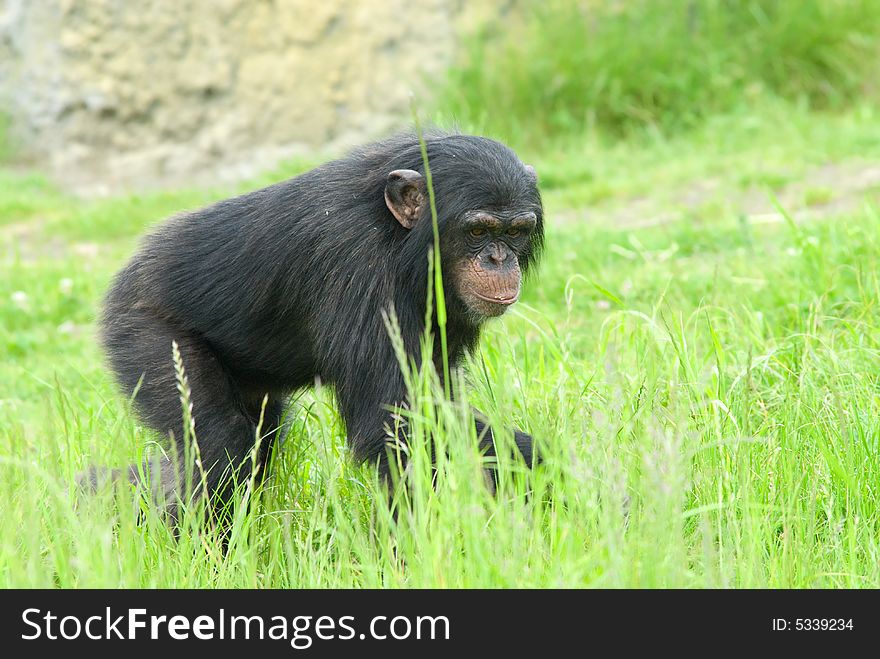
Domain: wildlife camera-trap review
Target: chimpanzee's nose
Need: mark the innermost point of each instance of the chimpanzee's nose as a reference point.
(498, 256)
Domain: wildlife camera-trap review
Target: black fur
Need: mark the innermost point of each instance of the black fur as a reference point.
(268, 291)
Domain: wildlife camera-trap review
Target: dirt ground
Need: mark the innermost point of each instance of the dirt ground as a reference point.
(830, 190)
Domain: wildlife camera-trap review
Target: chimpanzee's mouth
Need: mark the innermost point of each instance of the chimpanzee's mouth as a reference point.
(504, 300)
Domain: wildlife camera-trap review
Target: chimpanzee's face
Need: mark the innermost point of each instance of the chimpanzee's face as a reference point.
(486, 268)
(490, 225)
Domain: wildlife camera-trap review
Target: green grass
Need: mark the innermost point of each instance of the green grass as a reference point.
(706, 392)
(772, 145)
(561, 68)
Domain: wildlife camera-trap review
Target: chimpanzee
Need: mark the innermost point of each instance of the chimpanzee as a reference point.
(269, 291)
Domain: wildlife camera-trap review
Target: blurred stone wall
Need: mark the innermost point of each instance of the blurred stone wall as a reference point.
(126, 92)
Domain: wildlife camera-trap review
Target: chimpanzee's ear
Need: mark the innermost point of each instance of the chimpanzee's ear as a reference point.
(405, 195)
(532, 172)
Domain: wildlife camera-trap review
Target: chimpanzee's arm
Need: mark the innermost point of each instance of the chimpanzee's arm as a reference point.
(373, 428)
(366, 404)
(522, 440)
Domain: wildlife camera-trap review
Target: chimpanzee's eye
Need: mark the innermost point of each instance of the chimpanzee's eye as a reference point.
(477, 232)
(513, 233)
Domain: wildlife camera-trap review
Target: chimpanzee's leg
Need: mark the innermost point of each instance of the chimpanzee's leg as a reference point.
(139, 345)
(270, 430)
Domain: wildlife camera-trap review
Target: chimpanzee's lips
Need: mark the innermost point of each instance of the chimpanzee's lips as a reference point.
(502, 299)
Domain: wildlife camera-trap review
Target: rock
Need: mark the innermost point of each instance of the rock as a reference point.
(105, 94)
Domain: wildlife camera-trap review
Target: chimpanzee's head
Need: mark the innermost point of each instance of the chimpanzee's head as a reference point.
(490, 218)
